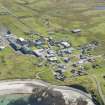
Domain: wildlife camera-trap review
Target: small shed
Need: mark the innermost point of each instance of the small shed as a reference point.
(1, 48)
(52, 59)
(21, 41)
(39, 52)
(8, 32)
(65, 44)
(67, 51)
(26, 50)
(66, 60)
(15, 46)
(38, 42)
(76, 30)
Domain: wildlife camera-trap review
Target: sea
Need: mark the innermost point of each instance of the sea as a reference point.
(15, 99)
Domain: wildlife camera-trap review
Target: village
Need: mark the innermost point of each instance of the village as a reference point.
(60, 55)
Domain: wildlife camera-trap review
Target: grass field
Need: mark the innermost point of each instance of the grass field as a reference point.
(61, 16)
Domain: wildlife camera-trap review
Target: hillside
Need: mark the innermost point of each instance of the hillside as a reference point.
(54, 19)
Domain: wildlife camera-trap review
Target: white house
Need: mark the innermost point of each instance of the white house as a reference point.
(76, 30)
(2, 47)
(65, 44)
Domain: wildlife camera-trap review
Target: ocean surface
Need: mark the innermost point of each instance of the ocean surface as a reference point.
(16, 99)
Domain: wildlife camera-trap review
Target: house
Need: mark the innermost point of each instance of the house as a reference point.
(65, 44)
(50, 55)
(11, 39)
(32, 33)
(21, 41)
(26, 50)
(76, 30)
(66, 60)
(51, 52)
(67, 51)
(15, 46)
(74, 65)
(82, 61)
(38, 42)
(1, 48)
(74, 72)
(91, 60)
(51, 32)
(60, 76)
(51, 42)
(62, 67)
(59, 71)
(39, 52)
(7, 34)
(82, 56)
(52, 59)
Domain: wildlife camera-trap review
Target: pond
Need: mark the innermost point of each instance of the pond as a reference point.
(100, 7)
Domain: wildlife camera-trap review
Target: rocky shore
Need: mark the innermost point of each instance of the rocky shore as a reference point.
(45, 93)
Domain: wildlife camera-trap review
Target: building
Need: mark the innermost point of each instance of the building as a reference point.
(51, 52)
(67, 51)
(81, 61)
(39, 52)
(1, 48)
(26, 50)
(7, 34)
(50, 55)
(11, 39)
(32, 33)
(65, 44)
(76, 31)
(21, 41)
(66, 60)
(39, 42)
(60, 76)
(52, 59)
(51, 32)
(15, 46)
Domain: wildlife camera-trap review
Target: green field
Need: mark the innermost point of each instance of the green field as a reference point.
(60, 17)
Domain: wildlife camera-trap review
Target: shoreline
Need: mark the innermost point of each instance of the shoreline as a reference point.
(8, 87)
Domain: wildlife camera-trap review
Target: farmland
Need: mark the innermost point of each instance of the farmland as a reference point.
(60, 17)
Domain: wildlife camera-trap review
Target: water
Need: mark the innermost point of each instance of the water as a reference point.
(17, 99)
(100, 7)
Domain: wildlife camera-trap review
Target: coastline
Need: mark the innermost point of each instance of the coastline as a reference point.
(27, 86)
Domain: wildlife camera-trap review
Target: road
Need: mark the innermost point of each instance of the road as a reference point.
(99, 89)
